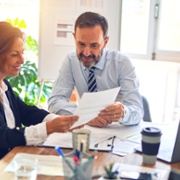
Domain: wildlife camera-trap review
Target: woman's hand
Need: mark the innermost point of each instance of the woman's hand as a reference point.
(60, 124)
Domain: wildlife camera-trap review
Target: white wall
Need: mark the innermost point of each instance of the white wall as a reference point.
(51, 51)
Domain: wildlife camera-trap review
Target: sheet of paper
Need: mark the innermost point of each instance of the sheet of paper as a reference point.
(123, 147)
(47, 164)
(92, 103)
(160, 174)
(64, 140)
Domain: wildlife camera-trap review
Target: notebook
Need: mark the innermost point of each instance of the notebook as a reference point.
(170, 144)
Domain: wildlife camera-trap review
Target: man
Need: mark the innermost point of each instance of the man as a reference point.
(112, 69)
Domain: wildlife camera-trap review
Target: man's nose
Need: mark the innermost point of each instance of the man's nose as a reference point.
(87, 51)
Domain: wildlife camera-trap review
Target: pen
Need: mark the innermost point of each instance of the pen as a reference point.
(92, 156)
(81, 147)
(110, 142)
(96, 145)
(129, 136)
(59, 151)
(76, 159)
(129, 140)
(77, 154)
(112, 146)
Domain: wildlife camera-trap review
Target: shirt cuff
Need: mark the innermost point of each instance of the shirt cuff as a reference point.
(123, 120)
(36, 135)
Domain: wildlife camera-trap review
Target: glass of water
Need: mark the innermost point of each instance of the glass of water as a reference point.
(25, 168)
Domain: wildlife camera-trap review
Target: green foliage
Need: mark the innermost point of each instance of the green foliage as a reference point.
(109, 173)
(26, 84)
(20, 24)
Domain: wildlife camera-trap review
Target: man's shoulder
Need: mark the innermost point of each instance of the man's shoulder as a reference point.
(71, 54)
(116, 55)
(71, 59)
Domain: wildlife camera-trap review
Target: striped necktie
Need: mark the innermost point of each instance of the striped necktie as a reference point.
(92, 86)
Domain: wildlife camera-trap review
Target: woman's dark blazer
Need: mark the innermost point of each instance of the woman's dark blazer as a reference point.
(24, 114)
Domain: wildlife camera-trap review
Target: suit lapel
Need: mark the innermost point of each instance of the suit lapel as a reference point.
(2, 114)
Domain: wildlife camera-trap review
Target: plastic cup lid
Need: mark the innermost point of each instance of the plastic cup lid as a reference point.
(151, 131)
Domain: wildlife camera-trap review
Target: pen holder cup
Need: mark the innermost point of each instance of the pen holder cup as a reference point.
(77, 170)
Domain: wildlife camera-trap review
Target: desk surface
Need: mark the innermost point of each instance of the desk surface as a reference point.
(103, 158)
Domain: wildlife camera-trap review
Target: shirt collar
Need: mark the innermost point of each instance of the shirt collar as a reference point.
(4, 87)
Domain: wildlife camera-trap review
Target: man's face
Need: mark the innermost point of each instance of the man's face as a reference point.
(89, 44)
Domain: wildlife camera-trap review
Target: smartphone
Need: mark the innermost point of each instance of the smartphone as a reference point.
(132, 175)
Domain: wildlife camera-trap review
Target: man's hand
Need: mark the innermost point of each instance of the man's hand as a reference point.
(98, 122)
(113, 112)
(110, 114)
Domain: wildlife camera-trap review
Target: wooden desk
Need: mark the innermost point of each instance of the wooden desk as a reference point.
(103, 158)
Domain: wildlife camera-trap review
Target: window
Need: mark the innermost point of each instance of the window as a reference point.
(135, 26)
(150, 29)
(27, 10)
(168, 36)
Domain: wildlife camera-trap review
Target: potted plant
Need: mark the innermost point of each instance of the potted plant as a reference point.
(110, 173)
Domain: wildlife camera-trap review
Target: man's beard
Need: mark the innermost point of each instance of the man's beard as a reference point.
(92, 56)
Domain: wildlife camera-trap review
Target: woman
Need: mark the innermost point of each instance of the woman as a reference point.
(38, 123)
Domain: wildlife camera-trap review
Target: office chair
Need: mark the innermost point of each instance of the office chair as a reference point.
(147, 114)
(174, 175)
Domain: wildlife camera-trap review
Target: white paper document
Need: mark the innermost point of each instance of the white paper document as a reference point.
(122, 147)
(64, 140)
(92, 103)
(131, 170)
(101, 138)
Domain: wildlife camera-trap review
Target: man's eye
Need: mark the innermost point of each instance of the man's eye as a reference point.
(94, 45)
(82, 45)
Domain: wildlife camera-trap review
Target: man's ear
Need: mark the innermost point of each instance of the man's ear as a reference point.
(106, 41)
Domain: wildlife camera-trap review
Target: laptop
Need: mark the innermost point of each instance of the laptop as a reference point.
(169, 150)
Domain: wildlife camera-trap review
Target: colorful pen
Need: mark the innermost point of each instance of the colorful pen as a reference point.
(59, 151)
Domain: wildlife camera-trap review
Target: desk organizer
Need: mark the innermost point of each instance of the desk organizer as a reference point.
(77, 166)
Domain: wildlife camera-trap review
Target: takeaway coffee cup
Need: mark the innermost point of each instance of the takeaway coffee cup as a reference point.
(150, 144)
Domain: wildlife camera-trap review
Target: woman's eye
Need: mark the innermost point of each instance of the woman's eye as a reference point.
(14, 55)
